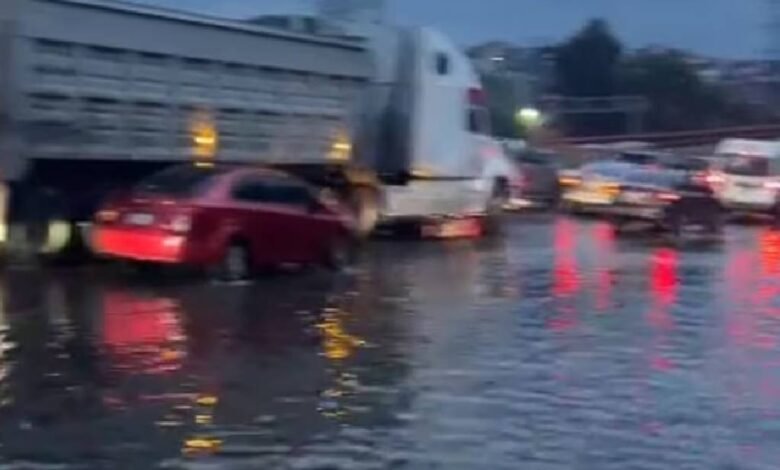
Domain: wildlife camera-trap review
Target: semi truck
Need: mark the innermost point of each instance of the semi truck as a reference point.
(97, 94)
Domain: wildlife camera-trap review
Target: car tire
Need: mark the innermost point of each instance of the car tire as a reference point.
(776, 217)
(619, 225)
(235, 264)
(715, 223)
(675, 224)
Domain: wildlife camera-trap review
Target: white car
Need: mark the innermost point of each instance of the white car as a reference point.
(595, 187)
(750, 181)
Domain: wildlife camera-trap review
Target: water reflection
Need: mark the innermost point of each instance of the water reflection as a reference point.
(142, 334)
(607, 355)
(566, 280)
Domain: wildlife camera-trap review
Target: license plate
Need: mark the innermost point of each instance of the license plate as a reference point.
(140, 219)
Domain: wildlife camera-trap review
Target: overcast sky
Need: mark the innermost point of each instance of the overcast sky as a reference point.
(726, 28)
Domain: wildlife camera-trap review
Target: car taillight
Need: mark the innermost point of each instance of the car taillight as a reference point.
(772, 184)
(667, 197)
(179, 223)
(715, 178)
(107, 216)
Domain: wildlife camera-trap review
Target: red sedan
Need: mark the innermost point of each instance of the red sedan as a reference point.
(230, 218)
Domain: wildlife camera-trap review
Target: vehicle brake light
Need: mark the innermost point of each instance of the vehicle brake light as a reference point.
(772, 185)
(668, 197)
(715, 178)
(107, 216)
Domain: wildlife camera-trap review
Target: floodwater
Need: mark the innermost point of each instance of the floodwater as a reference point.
(556, 347)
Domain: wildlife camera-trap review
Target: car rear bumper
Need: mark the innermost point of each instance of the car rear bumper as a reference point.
(144, 246)
(748, 207)
(649, 213)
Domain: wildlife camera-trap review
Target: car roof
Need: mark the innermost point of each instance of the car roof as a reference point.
(749, 147)
(655, 177)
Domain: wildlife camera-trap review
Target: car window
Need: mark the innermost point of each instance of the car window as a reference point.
(747, 165)
(179, 181)
(656, 178)
(638, 158)
(272, 191)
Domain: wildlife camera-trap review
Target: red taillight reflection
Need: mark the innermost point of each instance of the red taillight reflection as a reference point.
(664, 276)
(144, 335)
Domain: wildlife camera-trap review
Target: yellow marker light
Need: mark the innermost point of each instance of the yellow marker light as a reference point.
(207, 400)
(341, 148)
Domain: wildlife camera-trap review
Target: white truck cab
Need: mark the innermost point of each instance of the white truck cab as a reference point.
(751, 175)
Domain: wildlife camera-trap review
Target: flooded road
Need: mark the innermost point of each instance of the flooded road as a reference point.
(557, 347)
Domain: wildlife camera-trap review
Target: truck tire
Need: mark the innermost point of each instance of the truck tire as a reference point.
(494, 211)
(363, 202)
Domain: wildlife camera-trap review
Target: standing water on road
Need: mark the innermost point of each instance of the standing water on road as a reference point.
(557, 346)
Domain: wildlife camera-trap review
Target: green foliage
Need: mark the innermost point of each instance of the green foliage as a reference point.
(587, 64)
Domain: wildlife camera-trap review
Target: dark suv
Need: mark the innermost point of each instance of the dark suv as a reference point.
(666, 199)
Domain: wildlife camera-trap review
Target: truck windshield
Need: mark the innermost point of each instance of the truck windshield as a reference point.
(747, 165)
(178, 181)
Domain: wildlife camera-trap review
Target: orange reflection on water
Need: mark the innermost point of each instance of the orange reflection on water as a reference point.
(142, 334)
(337, 343)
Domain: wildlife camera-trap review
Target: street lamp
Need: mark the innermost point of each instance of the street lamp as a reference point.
(529, 117)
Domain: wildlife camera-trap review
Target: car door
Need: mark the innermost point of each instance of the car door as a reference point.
(294, 219)
(258, 220)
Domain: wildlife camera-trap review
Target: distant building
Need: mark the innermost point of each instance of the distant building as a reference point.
(525, 73)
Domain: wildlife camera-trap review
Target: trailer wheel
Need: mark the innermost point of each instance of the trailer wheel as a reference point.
(363, 201)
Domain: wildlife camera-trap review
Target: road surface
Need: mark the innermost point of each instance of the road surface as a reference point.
(555, 347)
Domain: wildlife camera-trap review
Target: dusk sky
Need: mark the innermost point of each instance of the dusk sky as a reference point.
(727, 28)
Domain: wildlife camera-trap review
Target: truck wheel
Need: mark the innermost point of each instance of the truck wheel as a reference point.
(364, 204)
(494, 210)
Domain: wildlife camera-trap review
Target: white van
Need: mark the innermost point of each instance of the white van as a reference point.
(751, 175)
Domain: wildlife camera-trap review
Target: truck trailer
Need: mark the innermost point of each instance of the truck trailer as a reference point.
(97, 94)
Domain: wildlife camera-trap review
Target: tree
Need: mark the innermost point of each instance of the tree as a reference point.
(679, 99)
(587, 64)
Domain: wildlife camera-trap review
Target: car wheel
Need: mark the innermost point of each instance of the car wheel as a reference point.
(235, 264)
(715, 223)
(619, 224)
(776, 217)
(675, 224)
